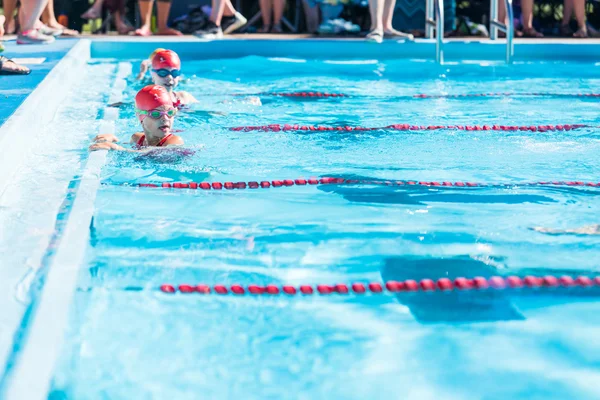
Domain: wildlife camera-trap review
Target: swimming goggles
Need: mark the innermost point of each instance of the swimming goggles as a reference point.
(156, 114)
(163, 72)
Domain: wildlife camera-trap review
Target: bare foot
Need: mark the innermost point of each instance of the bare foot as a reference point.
(9, 66)
(2, 21)
(92, 13)
(581, 33)
(169, 32)
(64, 29)
(143, 31)
(124, 29)
(391, 32)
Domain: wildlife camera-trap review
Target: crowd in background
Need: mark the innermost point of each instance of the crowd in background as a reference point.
(34, 21)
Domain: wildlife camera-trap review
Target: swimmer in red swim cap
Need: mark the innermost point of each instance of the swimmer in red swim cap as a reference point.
(166, 71)
(155, 111)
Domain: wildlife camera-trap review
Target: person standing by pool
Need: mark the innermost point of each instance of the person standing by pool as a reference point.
(224, 19)
(32, 29)
(155, 111)
(382, 12)
(163, 9)
(526, 19)
(268, 9)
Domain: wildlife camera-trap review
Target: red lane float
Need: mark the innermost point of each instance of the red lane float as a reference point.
(424, 285)
(303, 94)
(406, 127)
(503, 94)
(342, 181)
(313, 94)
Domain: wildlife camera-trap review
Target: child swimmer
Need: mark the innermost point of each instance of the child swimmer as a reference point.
(156, 113)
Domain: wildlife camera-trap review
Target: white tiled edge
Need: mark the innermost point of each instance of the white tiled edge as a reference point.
(32, 375)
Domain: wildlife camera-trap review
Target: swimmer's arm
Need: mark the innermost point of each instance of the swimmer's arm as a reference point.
(143, 69)
(106, 137)
(186, 98)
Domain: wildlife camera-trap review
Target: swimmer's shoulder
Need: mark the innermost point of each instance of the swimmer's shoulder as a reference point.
(136, 137)
(186, 97)
(174, 140)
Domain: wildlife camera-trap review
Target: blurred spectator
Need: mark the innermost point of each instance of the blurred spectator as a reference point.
(116, 8)
(224, 19)
(579, 7)
(49, 19)
(382, 12)
(163, 7)
(526, 19)
(311, 16)
(32, 30)
(272, 8)
(9, 6)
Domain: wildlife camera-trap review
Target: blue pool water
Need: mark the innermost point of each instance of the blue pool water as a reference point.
(144, 344)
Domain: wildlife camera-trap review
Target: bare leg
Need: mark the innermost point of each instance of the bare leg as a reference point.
(579, 6)
(163, 8)
(388, 14)
(376, 8)
(567, 11)
(266, 10)
(278, 6)
(95, 11)
(31, 11)
(146, 15)
(229, 10)
(216, 14)
(311, 14)
(9, 12)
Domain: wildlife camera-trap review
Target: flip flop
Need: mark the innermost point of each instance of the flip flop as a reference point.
(4, 60)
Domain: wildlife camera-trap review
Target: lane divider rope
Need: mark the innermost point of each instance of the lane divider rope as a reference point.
(407, 127)
(313, 94)
(423, 285)
(342, 181)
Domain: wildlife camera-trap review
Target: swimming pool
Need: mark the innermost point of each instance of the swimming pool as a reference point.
(127, 339)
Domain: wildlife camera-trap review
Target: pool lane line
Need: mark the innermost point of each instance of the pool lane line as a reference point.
(407, 127)
(323, 95)
(341, 181)
(31, 376)
(407, 286)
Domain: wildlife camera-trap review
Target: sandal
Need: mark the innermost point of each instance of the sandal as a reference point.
(375, 37)
(276, 28)
(19, 70)
(264, 29)
(532, 33)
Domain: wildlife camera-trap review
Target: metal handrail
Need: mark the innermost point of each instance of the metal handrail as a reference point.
(509, 29)
(434, 18)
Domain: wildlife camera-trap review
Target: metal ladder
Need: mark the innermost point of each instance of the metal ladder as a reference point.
(434, 21)
(496, 26)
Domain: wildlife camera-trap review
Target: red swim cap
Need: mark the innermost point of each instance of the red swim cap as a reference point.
(166, 59)
(152, 97)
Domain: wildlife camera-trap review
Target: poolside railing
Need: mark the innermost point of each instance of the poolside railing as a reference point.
(508, 28)
(434, 21)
